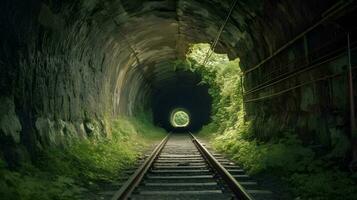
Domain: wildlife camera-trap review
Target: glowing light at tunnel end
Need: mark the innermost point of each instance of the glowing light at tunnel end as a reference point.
(180, 118)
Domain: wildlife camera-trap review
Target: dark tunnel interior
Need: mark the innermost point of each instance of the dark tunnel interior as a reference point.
(186, 91)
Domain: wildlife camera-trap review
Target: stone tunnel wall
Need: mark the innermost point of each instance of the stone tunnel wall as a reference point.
(304, 88)
(62, 75)
(69, 66)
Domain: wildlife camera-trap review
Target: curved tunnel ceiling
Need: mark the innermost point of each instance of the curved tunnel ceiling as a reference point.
(159, 31)
(113, 56)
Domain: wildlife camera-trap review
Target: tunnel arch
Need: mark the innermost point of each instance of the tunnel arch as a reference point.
(92, 59)
(183, 91)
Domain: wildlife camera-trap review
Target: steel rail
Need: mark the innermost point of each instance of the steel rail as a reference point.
(232, 183)
(134, 180)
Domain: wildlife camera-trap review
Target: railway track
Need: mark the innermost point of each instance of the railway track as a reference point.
(180, 167)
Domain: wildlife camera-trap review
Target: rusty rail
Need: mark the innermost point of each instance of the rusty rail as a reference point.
(232, 183)
(134, 180)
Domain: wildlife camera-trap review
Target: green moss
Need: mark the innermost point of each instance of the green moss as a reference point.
(263, 145)
(68, 173)
(323, 185)
(31, 183)
(307, 175)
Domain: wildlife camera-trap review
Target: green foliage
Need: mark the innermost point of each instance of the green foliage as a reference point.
(180, 118)
(35, 184)
(309, 176)
(208, 130)
(278, 151)
(284, 155)
(67, 173)
(323, 185)
(224, 79)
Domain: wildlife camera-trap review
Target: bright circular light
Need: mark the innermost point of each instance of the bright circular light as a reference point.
(180, 118)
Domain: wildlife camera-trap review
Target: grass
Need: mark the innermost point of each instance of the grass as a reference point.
(263, 146)
(69, 173)
(307, 175)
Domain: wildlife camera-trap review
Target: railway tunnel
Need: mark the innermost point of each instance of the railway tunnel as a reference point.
(68, 66)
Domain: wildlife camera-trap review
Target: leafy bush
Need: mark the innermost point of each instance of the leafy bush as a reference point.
(278, 151)
(35, 184)
(323, 185)
(309, 176)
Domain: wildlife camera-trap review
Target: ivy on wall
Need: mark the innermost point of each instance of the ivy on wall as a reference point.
(282, 154)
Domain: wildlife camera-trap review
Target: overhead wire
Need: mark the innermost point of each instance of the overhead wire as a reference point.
(215, 42)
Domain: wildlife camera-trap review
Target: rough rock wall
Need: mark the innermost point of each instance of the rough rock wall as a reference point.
(67, 66)
(59, 71)
(304, 89)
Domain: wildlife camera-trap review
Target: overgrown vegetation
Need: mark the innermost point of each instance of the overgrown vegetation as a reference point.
(308, 175)
(71, 172)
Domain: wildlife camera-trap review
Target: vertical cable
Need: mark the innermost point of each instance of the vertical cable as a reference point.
(211, 50)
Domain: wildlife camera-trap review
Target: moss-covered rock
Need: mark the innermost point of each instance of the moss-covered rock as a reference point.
(9, 122)
(57, 133)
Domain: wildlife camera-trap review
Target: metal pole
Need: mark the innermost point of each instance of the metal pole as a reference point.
(352, 105)
(350, 77)
(242, 96)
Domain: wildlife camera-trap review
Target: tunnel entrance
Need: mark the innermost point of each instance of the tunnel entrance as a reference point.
(183, 91)
(189, 87)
